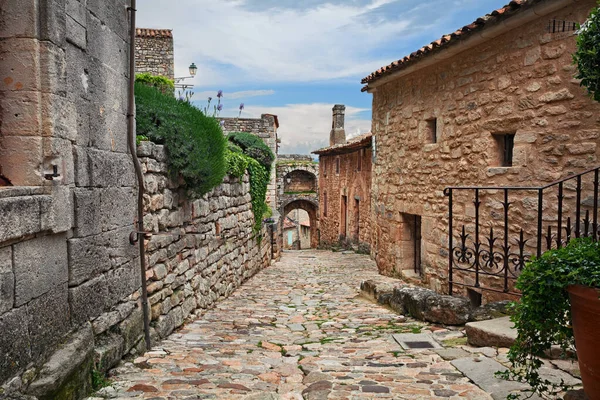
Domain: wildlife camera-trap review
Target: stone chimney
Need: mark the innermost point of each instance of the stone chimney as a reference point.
(338, 134)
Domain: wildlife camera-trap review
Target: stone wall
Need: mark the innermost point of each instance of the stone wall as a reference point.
(154, 52)
(201, 250)
(265, 128)
(520, 82)
(69, 278)
(352, 220)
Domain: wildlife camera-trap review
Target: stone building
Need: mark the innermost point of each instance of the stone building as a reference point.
(495, 104)
(345, 186)
(265, 128)
(154, 52)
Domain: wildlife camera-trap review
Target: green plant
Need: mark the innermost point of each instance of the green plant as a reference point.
(254, 147)
(165, 85)
(99, 380)
(543, 315)
(587, 56)
(194, 142)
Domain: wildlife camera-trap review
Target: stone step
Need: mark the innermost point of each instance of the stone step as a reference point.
(497, 332)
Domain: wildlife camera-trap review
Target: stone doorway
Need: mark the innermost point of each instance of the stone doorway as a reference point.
(344, 217)
(410, 245)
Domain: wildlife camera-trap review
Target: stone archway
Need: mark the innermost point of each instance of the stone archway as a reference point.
(312, 208)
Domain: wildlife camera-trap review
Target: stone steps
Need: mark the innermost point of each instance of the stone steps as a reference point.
(497, 332)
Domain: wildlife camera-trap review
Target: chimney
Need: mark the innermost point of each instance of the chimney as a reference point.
(338, 134)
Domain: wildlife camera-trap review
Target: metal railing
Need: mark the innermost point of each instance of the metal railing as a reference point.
(503, 227)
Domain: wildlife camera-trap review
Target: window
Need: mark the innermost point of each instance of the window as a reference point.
(325, 204)
(359, 155)
(431, 130)
(324, 166)
(505, 144)
(337, 165)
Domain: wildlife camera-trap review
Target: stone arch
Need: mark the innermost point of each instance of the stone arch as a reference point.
(312, 208)
(300, 180)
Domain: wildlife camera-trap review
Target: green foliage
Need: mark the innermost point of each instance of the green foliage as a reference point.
(587, 56)
(99, 380)
(543, 315)
(194, 142)
(237, 164)
(254, 147)
(165, 85)
(141, 138)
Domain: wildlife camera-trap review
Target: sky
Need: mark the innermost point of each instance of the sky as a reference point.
(297, 58)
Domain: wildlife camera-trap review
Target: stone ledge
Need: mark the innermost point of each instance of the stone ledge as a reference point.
(427, 305)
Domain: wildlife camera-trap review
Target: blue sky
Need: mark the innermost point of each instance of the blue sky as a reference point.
(296, 58)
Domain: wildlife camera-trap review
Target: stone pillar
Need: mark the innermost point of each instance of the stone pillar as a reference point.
(338, 134)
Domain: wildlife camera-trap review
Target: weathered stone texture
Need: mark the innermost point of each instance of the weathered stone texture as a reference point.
(154, 55)
(203, 249)
(494, 88)
(341, 178)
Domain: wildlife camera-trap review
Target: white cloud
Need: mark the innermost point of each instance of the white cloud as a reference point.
(202, 96)
(305, 127)
(232, 44)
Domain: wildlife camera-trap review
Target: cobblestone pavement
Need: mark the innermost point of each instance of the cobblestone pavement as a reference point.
(297, 330)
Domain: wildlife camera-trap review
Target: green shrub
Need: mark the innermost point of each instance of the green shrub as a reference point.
(587, 56)
(165, 85)
(236, 160)
(254, 147)
(194, 142)
(543, 315)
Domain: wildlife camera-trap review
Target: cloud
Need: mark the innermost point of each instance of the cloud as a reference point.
(233, 44)
(305, 127)
(202, 96)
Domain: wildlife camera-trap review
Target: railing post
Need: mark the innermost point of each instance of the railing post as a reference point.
(506, 247)
(477, 245)
(560, 212)
(539, 222)
(450, 244)
(578, 207)
(595, 224)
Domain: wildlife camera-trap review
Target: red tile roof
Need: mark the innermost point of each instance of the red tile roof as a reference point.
(153, 33)
(351, 145)
(503, 13)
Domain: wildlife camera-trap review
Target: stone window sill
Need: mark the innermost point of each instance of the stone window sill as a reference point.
(20, 191)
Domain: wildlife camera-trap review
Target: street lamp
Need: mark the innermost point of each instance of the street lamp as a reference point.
(185, 86)
(193, 70)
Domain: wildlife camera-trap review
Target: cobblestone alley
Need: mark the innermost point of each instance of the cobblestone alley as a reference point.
(298, 329)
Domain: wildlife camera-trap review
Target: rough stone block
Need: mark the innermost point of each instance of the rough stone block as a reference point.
(57, 215)
(76, 33)
(87, 300)
(108, 169)
(17, 151)
(122, 282)
(497, 332)
(67, 374)
(447, 310)
(92, 255)
(19, 18)
(7, 280)
(108, 351)
(20, 56)
(108, 130)
(54, 66)
(19, 216)
(52, 21)
(132, 329)
(20, 116)
(40, 266)
(112, 13)
(167, 323)
(76, 10)
(90, 205)
(14, 343)
(48, 320)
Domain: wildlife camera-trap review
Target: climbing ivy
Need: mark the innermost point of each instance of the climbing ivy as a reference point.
(165, 85)
(587, 56)
(237, 164)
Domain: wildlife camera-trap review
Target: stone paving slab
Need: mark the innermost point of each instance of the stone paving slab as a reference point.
(251, 345)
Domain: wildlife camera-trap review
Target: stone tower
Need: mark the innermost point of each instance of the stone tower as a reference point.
(338, 134)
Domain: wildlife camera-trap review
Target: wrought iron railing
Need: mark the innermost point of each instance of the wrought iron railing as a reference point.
(503, 227)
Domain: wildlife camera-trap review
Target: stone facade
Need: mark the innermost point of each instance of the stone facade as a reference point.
(266, 129)
(301, 192)
(436, 124)
(345, 192)
(69, 278)
(201, 250)
(154, 52)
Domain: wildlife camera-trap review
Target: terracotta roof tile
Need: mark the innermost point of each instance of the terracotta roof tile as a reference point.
(153, 33)
(351, 145)
(505, 12)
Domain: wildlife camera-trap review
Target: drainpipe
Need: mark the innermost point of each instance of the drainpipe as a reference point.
(137, 236)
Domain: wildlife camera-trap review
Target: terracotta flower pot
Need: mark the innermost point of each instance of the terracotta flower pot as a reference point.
(585, 310)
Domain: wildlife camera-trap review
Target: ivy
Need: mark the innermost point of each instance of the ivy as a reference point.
(587, 56)
(165, 85)
(543, 315)
(237, 164)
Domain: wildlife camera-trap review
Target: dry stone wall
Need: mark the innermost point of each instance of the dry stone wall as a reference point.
(154, 52)
(201, 250)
